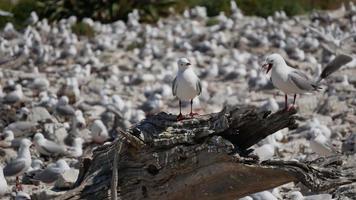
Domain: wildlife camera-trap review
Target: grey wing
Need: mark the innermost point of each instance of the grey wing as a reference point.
(335, 64)
(48, 175)
(14, 167)
(302, 81)
(53, 148)
(174, 86)
(198, 86)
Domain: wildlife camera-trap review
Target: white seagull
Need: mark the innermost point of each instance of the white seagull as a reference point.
(99, 132)
(21, 163)
(293, 81)
(47, 147)
(186, 85)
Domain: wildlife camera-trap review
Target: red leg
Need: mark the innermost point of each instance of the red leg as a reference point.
(180, 116)
(191, 109)
(293, 105)
(18, 184)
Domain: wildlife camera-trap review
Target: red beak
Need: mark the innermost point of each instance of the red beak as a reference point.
(267, 66)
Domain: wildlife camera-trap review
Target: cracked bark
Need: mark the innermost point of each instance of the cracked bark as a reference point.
(200, 158)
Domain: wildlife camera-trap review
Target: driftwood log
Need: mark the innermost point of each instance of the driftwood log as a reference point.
(201, 158)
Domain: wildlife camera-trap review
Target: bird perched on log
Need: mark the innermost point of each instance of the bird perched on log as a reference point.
(293, 81)
(186, 85)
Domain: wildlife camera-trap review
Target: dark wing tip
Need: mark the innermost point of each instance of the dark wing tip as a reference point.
(316, 87)
(337, 63)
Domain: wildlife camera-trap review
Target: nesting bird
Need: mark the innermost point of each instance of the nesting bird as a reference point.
(14, 96)
(293, 81)
(186, 85)
(63, 108)
(47, 147)
(52, 172)
(77, 149)
(99, 132)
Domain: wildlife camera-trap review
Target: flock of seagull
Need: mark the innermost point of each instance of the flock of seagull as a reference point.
(186, 85)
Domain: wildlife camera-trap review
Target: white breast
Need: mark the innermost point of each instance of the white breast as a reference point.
(187, 85)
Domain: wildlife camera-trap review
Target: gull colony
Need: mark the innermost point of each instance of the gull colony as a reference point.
(62, 94)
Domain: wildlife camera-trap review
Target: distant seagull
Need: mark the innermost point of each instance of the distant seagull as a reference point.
(63, 108)
(3, 184)
(78, 120)
(186, 85)
(47, 147)
(99, 132)
(21, 163)
(22, 196)
(321, 145)
(14, 96)
(293, 81)
(77, 149)
(52, 172)
(7, 139)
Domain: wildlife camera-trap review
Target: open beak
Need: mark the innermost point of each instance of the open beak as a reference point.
(267, 66)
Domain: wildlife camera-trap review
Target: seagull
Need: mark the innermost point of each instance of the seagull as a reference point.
(8, 140)
(99, 132)
(52, 172)
(77, 149)
(3, 184)
(63, 108)
(78, 120)
(320, 145)
(14, 96)
(186, 85)
(47, 147)
(22, 196)
(293, 81)
(21, 163)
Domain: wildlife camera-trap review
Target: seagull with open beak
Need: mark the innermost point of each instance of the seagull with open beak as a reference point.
(186, 85)
(292, 81)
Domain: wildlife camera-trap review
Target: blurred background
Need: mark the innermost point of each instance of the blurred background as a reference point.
(77, 70)
(150, 10)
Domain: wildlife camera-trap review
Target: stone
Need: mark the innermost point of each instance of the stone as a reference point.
(67, 179)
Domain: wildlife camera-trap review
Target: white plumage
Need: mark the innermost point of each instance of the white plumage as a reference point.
(186, 85)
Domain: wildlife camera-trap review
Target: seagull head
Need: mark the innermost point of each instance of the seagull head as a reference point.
(25, 142)
(38, 137)
(183, 63)
(272, 61)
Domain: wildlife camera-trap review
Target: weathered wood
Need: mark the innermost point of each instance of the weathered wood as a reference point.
(161, 158)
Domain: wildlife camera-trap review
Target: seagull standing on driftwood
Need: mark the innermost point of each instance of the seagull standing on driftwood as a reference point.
(293, 81)
(186, 85)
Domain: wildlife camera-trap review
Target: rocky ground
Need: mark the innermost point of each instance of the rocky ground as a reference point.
(71, 88)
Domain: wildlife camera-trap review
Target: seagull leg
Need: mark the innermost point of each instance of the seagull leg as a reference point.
(293, 105)
(191, 109)
(285, 102)
(180, 116)
(18, 184)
